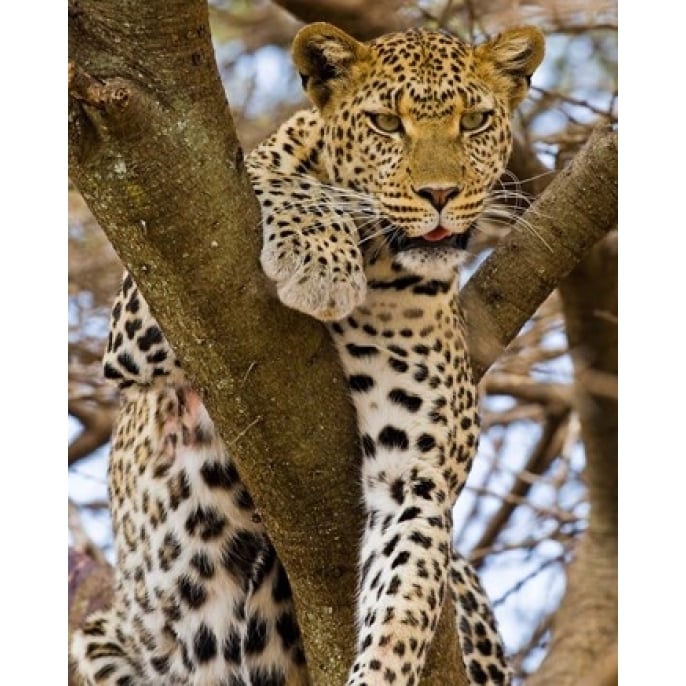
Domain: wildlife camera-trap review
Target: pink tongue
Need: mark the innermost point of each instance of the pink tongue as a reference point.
(437, 234)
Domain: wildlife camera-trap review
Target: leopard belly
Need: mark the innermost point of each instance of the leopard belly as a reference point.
(409, 376)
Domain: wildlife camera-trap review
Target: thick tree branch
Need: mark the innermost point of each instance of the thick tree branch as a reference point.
(576, 210)
(605, 672)
(362, 19)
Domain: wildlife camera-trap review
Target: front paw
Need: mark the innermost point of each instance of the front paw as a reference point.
(324, 295)
(325, 284)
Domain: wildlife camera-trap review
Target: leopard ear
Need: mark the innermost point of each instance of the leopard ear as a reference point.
(324, 56)
(515, 54)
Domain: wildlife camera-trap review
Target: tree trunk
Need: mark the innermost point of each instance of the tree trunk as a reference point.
(585, 627)
(154, 152)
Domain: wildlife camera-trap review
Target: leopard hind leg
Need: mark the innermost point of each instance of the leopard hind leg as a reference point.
(102, 654)
(482, 648)
(273, 644)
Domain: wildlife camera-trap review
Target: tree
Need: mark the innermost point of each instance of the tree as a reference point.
(154, 152)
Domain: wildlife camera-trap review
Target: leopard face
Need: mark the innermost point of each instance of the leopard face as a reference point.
(418, 124)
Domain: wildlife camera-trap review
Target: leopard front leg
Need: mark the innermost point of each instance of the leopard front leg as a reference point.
(404, 569)
(310, 247)
(313, 259)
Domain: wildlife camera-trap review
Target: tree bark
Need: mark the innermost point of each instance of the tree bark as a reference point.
(585, 627)
(576, 210)
(153, 150)
(154, 153)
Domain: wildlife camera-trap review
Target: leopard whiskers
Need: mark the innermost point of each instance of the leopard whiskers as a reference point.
(507, 216)
(382, 231)
(513, 179)
(507, 204)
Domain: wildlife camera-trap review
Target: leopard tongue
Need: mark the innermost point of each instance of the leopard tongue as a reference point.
(438, 234)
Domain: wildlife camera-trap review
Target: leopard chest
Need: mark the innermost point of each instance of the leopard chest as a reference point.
(409, 375)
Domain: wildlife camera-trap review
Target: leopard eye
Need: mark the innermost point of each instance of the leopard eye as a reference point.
(386, 123)
(473, 121)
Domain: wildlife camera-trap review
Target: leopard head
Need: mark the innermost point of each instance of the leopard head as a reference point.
(418, 122)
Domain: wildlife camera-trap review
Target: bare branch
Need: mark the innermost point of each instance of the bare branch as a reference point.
(97, 422)
(362, 19)
(537, 635)
(81, 540)
(547, 448)
(529, 390)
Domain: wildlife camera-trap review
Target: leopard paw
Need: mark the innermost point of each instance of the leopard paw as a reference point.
(322, 279)
(324, 296)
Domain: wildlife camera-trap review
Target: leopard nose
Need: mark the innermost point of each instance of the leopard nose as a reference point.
(438, 197)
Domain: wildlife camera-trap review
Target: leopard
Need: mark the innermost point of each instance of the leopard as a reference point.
(368, 201)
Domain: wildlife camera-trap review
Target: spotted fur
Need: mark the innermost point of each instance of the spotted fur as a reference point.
(367, 202)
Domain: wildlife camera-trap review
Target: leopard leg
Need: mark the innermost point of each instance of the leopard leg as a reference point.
(187, 536)
(137, 351)
(404, 562)
(104, 655)
(273, 646)
(312, 256)
(481, 645)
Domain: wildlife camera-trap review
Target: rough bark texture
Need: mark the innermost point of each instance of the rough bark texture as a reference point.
(585, 627)
(576, 210)
(154, 153)
(153, 150)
